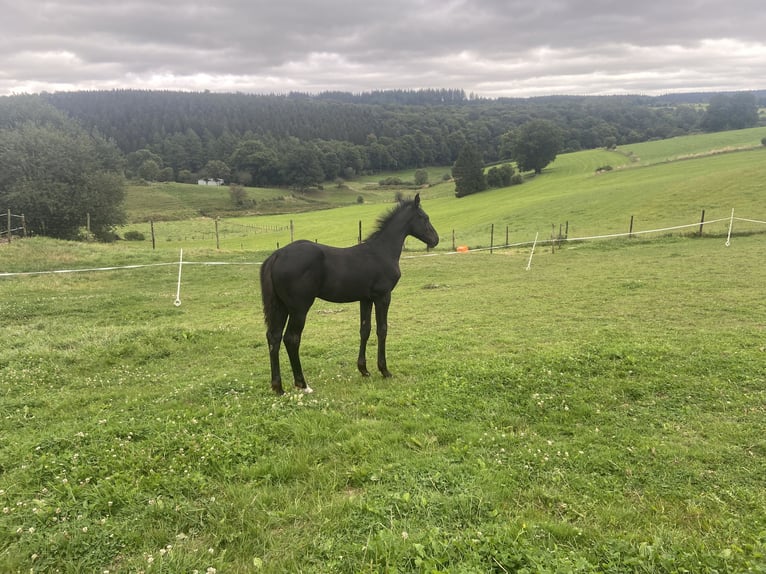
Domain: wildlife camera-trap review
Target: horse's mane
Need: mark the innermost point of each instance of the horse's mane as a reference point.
(383, 220)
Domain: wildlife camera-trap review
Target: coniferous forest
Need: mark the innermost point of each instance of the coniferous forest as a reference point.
(300, 139)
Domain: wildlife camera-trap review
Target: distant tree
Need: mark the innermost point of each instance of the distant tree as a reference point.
(303, 167)
(535, 145)
(378, 157)
(731, 112)
(136, 159)
(243, 177)
(57, 174)
(421, 177)
(238, 195)
(354, 158)
(217, 169)
(149, 170)
(194, 151)
(173, 150)
(507, 141)
(167, 174)
(254, 158)
(500, 176)
(468, 172)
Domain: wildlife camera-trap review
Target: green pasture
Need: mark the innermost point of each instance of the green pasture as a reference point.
(674, 181)
(688, 147)
(179, 202)
(603, 411)
(595, 407)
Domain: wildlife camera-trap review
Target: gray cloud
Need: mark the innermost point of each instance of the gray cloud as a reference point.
(488, 47)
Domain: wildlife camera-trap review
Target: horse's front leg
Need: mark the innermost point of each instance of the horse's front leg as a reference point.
(365, 317)
(295, 326)
(381, 322)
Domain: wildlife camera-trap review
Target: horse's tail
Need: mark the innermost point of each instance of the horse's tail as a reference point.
(270, 300)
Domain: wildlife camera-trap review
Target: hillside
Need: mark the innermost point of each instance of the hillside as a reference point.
(660, 184)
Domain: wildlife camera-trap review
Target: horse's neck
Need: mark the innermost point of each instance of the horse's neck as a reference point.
(389, 241)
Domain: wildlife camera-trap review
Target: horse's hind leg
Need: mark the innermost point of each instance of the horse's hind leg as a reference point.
(295, 326)
(274, 338)
(365, 315)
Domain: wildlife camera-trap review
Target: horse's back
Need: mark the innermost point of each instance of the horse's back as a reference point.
(293, 261)
(303, 270)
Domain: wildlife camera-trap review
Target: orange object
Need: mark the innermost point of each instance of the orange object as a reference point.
(462, 249)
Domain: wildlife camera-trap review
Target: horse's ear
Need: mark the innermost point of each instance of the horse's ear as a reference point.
(417, 200)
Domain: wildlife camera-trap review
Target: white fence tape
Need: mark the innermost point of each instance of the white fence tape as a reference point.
(119, 267)
(181, 263)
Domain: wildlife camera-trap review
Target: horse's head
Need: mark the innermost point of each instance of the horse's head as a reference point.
(420, 224)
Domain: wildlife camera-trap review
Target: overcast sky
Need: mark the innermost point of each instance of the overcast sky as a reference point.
(488, 47)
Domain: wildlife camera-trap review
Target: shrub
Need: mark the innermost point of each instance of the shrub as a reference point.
(134, 235)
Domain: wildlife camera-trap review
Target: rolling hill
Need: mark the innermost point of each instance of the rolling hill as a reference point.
(659, 184)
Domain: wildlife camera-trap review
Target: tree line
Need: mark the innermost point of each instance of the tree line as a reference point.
(63, 154)
(299, 139)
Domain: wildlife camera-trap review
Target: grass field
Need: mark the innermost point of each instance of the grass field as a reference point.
(603, 411)
(661, 190)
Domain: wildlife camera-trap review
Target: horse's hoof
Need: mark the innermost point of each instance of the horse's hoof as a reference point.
(307, 389)
(386, 374)
(277, 388)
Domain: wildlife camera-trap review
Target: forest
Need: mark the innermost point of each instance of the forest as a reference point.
(64, 154)
(300, 139)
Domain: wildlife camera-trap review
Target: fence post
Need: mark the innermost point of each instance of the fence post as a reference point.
(506, 236)
(151, 226)
(217, 240)
(292, 231)
(630, 233)
(360, 231)
(453, 240)
(731, 224)
(532, 252)
(9, 226)
(491, 238)
(702, 222)
(23, 226)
